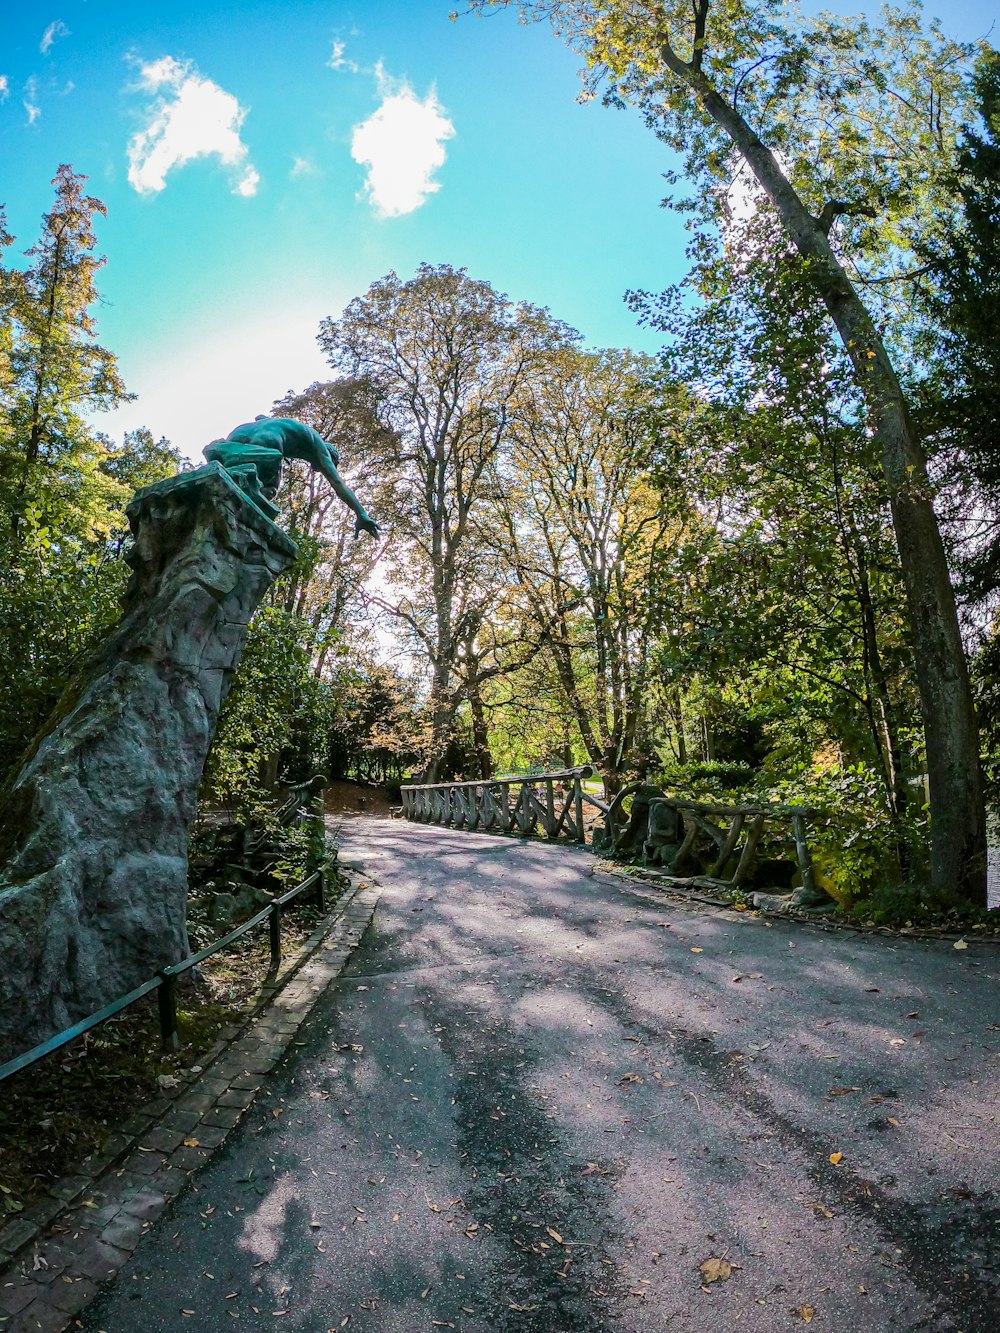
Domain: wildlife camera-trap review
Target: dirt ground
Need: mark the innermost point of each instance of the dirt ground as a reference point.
(356, 798)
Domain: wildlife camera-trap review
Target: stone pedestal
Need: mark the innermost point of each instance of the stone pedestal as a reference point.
(94, 832)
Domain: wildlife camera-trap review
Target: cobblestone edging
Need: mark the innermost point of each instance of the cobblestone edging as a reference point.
(60, 1250)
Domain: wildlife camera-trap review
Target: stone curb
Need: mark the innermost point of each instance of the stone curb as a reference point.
(57, 1253)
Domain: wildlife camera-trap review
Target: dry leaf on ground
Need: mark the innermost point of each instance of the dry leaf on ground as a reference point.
(715, 1270)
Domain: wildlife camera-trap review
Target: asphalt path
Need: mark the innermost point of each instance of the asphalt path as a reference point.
(543, 1100)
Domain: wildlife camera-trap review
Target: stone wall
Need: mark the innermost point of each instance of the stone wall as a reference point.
(94, 832)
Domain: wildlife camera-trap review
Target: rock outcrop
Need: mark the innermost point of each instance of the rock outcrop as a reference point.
(94, 831)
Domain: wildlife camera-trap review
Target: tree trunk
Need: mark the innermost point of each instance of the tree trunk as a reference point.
(480, 729)
(958, 826)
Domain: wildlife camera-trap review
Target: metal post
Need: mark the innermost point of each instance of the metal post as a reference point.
(167, 1000)
(802, 853)
(274, 927)
(317, 830)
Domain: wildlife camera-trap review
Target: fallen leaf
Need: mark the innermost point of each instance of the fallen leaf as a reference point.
(630, 1078)
(695, 949)
(841, 1092)
(836, 1158)
(892, 1120)
(715, 1270)
(807, 1312)
(555, 1236)
(191, 1143)
(960, 944)
(896, 1041)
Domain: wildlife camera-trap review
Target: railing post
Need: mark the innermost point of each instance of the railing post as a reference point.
(166, 997)
(581, 835)
(274, 928)
(802, 853)
(316, 854)
(321, 890)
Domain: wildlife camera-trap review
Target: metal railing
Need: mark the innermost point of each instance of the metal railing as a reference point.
(548, 802)
(165, 981)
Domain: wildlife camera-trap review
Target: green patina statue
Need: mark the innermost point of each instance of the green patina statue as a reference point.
(253, 453)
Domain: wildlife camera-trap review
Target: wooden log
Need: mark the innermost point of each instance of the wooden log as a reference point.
(726, 850)
(690, 833)
(581, 832)
(565, 820)
(550, 809)
(749, 851)
(525, 819)
(706, 825)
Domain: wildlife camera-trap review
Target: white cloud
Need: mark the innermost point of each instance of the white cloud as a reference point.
(303, 166)
(402, 145)
(54, 30)
(4, 88)
(338, 60)
(31, 100)
(189, 117)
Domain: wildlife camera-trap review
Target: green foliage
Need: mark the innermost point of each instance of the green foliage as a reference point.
(960, 400)
(708, 779)
(377, 727)
(273, 721)
(63, 488)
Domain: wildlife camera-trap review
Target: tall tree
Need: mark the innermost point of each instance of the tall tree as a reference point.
(55, 369)
(445, 355)
(848, 131)
(326, 584)
(961, 398)
(63, 485)
(594, 542)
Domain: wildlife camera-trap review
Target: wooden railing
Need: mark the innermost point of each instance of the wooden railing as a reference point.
(747, 825)
(549, 804)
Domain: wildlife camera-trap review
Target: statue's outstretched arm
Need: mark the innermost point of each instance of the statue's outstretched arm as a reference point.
(344, 492)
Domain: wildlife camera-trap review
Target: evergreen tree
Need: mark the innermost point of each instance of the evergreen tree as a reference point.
(963, 404)
(53, 369)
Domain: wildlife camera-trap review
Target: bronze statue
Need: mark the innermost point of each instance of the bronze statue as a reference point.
(254, 452)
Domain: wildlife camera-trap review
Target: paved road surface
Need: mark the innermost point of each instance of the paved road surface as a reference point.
(539, 1101)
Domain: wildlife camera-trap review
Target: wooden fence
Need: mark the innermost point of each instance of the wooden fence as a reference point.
(550, 804)
(736, 831)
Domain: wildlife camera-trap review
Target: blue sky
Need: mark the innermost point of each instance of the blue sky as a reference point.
(263, 163)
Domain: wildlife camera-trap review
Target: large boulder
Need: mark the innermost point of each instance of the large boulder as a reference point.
(94, 831)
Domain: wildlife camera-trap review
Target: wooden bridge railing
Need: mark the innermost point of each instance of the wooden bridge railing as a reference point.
(550, 804)
(736, 832)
